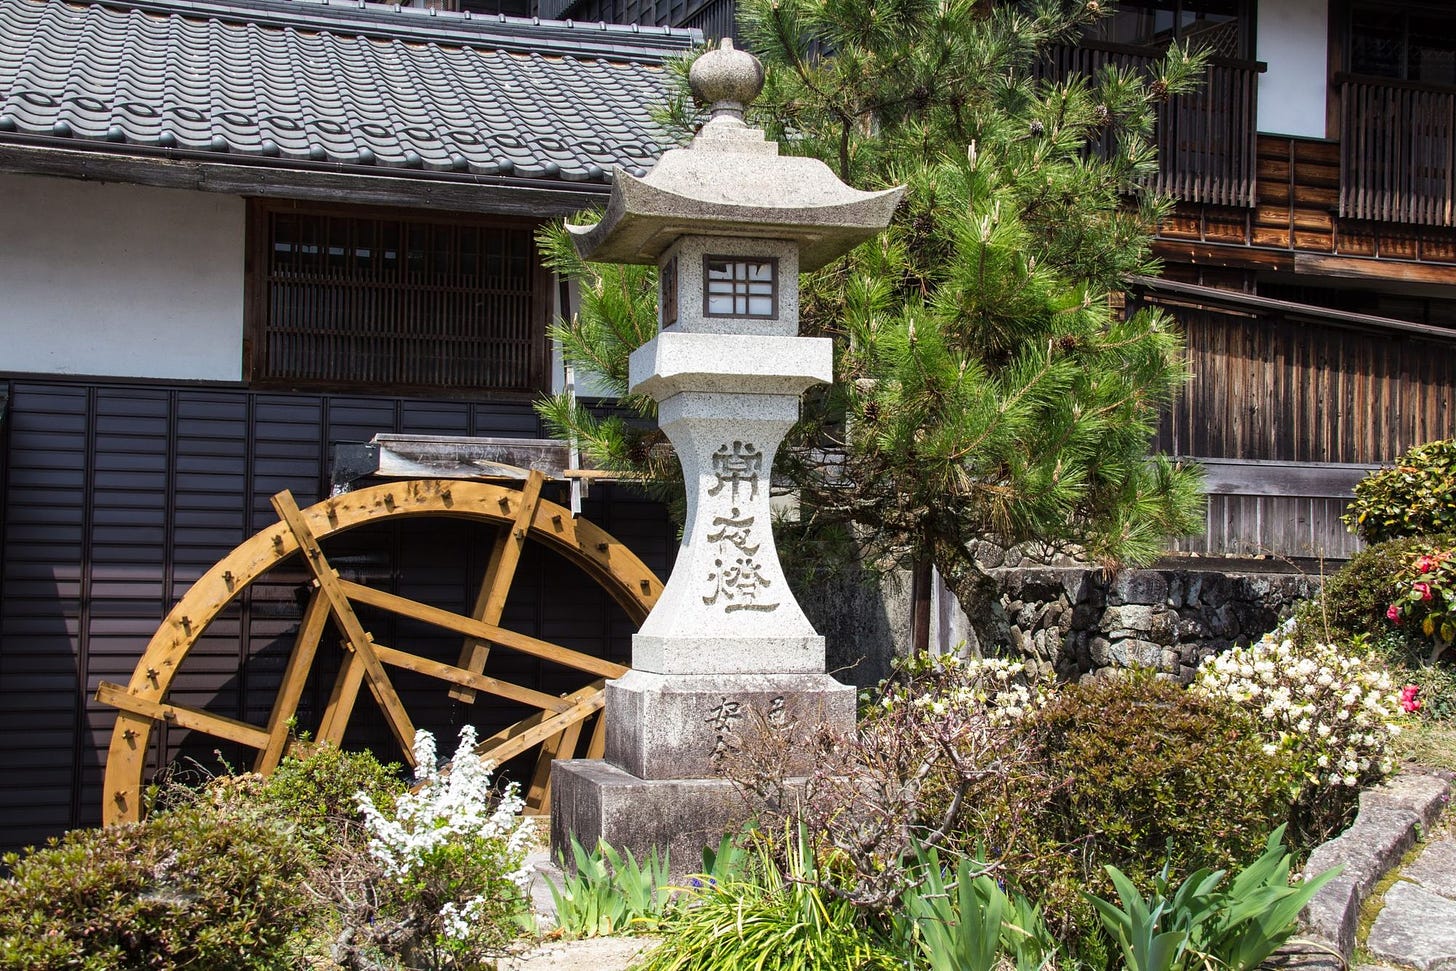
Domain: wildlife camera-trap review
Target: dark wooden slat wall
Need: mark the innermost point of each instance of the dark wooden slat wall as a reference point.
(1269, 389)
(1206, 137)
(1398, 143)
(117, 497)
(1296, 391)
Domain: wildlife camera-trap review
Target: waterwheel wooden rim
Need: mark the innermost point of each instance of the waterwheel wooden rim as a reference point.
(557, 722)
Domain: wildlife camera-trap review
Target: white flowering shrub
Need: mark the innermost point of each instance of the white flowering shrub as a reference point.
(941, 683)
(1334, 713)
(452, 855)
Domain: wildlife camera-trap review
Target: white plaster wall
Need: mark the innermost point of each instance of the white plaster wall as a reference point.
(120, 280)
(1293, 39)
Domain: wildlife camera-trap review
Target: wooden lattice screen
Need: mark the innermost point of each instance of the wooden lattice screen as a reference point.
(347, 301)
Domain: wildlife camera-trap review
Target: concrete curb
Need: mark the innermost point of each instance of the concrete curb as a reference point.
(1392, 817)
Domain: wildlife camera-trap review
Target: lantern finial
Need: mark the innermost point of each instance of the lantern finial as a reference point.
(726, 80)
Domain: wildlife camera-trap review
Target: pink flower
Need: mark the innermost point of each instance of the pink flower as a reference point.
(1408, 702)
(1392, 613)
(1424, 589)
(1425, 564)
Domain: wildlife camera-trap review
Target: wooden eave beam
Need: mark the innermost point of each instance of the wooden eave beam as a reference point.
(1236, 256)
(294, 180)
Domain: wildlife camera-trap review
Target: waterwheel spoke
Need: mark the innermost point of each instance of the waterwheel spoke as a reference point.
(561, 746)
(357, 638)
(597, 747)
(490, 601)
(500, 636)
(535, 729)
(341, 700)
(295, 675)
(477, 682)
(183, 716)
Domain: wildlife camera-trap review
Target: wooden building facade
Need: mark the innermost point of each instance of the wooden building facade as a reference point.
(216, 279)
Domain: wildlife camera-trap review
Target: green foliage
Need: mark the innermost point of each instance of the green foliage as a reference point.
(1355, 608)
(1426, 597)
(316, 788)
(1157, 773)
(1357, 596)
(1416, 497)
(970, 923)
(190, 888)
(985, 386)
(606, 892)
(770, 918)
(1200, 925)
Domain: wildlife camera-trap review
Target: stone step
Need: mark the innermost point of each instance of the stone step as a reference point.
(1416, 928)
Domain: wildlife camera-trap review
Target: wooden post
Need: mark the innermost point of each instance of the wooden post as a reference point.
(491, 599)
(357, 639)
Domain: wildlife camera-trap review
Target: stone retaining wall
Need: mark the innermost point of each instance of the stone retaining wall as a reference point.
(1076, 620)
(1080, 621)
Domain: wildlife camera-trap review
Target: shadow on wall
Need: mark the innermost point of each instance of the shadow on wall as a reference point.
(865, 622)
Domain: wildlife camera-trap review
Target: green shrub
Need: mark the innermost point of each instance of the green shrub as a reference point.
(1205, 923)
(771, 917)
(606, 892)
(317, 789)
(1356, 598)
(1415, 498)
(1155, 773)
(191, 888)
(1425, 597)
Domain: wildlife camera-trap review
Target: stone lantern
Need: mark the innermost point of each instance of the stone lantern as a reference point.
(727, 651)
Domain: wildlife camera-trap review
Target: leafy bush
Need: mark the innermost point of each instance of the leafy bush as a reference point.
(317, 788)
(1200, 925)
(940, 741)
(771, 916)
(1415, 498)
(1332, 712)
(1426, 597)
(1356, 598)
(1155, 773)
(450, 885)
(190, 888)
(607, 892)
(970, 923)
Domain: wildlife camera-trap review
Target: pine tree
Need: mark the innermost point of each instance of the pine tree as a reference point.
(987, 386)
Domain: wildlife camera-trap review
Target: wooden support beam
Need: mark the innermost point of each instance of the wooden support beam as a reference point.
(562, 746)
(341, 699)
(489, 632)
(357, 639)
(491, 599)
(183, 716)
(477, 682)
(522, 736)
(290, 690)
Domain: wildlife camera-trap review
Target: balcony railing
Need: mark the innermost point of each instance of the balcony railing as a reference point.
(1396, 151)
(1206, 139)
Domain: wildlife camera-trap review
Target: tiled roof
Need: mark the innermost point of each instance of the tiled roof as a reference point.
(307, 82)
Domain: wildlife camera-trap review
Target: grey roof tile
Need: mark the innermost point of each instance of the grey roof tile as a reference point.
(285, 81)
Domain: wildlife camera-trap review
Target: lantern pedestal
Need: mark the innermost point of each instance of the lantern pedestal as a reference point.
(726, 655)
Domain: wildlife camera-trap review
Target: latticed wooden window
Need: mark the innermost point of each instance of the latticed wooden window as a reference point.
(347, 300)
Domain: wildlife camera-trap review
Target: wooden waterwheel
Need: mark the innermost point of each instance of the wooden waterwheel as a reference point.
(520, 515)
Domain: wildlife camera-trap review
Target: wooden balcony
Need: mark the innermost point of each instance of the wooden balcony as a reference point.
(1397, 151)
(1206, 139)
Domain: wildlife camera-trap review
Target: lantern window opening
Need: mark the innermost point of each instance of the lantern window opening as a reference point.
(735, 286)
(669, 292)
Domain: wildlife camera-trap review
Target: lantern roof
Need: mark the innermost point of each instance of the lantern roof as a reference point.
(731, 181)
